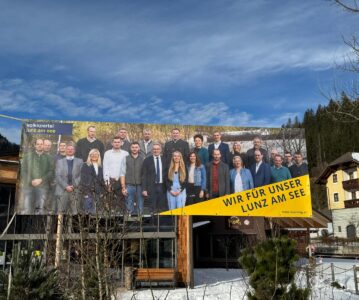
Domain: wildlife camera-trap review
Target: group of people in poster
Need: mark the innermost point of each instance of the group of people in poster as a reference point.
(89, 176)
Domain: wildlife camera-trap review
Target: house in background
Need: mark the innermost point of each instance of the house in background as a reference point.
(341, 178)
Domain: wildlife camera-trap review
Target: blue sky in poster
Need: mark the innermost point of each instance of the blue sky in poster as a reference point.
(194, 62)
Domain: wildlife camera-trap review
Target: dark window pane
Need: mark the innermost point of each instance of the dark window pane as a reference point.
(166, 253)
(150, 254)
(204, 245)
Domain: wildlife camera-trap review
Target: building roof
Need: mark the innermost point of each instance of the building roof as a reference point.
(318, 220)
(9, 166)
(347, 160)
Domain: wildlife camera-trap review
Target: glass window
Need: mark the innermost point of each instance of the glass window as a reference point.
(354, 196)
(158, 253)
(132, 252)
(166, 253)
(336, 197)
(339, 228)
(150, 254)
(335, 178)
(351, 232)
(351, 175)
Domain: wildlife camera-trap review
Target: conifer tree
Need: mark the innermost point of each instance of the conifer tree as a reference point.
(271, 267)
(31, 279)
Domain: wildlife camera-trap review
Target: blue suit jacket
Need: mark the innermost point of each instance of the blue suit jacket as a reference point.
(224, 149)
(263, 175)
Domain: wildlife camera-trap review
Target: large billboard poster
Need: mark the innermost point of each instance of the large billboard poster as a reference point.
(72, 167)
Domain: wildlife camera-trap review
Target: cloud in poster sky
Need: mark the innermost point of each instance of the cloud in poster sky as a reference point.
(181, 43)
(167, 60)
(66, 102)
(27, 99)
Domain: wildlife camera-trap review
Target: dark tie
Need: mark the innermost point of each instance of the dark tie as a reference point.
(157, 170)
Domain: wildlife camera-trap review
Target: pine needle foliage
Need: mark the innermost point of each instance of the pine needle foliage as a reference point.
(31, 279)
(271, 267)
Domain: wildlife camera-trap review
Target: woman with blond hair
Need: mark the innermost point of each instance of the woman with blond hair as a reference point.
(176, 181)
(240, 178)
(92, 183)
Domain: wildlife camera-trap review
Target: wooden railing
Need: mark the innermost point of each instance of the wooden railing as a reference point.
(351, 184)
(351, 203)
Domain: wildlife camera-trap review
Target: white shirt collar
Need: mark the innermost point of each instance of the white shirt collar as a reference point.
(91, 139)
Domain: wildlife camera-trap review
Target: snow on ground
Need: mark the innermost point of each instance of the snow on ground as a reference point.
(321, 282)
(211, 284)
(220, 284)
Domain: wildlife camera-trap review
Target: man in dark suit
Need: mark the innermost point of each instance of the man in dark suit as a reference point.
(153, 179)
(217, 176)
(176, 144)
(257, 145)
(222, 147)
(68, 176)
(261, 171)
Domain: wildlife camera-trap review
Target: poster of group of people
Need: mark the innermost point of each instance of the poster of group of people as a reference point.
(140, 169)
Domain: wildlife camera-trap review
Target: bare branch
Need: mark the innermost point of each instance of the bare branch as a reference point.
(353, 7)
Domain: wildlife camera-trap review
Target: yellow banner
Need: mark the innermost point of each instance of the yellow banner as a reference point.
(289, 198)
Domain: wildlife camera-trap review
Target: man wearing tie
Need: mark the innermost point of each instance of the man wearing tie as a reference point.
(153, 179)
(261, 173)
(68, 175)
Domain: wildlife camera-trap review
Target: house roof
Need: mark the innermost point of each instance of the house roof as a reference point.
(347, 160)
(318, 220)
(9, 166)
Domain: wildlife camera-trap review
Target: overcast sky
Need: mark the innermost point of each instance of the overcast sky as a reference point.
(194, 62)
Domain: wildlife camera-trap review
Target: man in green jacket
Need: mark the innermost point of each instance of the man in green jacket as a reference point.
(36, 173)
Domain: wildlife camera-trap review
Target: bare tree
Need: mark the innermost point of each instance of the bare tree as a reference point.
(347, 111)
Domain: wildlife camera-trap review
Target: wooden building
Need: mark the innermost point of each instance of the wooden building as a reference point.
(168, 248)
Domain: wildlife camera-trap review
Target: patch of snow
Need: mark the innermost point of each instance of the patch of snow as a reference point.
(220, 284)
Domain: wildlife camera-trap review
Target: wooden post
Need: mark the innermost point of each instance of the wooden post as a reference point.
(190, 277)
(58, 251)
(356, 279)
(49, 221)
(307, 273)
(184, 250)
(332, 268)
(128, 278)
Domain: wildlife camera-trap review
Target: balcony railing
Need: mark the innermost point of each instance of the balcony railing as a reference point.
(352, 184)
(351, 203)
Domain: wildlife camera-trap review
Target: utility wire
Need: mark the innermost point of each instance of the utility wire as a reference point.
(12, 118)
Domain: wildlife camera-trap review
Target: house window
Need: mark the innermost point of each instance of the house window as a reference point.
(336, 197)
(351, 232)
(351, 175)
(354, 196)
(339, 228)
(335, 178)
